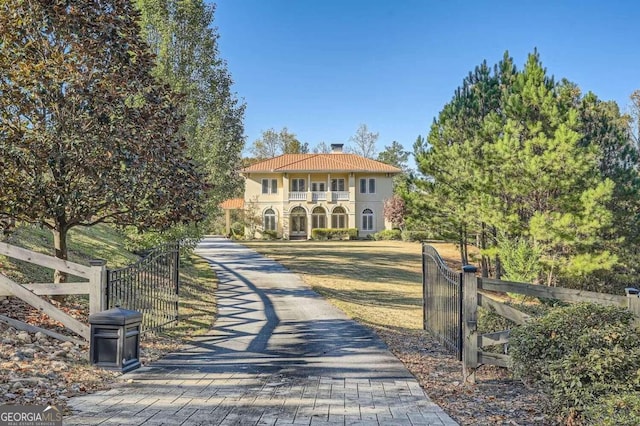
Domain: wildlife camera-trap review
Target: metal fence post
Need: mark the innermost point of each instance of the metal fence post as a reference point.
(424, 289)
(469, 323)
(97, 299)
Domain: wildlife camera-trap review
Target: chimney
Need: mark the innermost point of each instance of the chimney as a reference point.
(336, 148)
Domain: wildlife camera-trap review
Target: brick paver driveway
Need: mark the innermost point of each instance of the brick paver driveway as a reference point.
(277, 354)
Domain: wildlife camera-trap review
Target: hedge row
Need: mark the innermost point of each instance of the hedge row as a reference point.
(334, 234)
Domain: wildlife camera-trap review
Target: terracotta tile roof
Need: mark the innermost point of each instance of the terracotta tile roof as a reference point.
(320, 162)
(232, 204)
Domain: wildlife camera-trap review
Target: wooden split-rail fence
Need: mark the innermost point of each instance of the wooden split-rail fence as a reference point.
(450, 309)
(150, 286)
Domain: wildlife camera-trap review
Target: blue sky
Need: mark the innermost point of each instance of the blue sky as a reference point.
(323, 67)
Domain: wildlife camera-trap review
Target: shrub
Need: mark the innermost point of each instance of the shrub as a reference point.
(334, 234)
(577, 355)
(269, 235)
(237, 230)
(614, 410)
(520, 259)
(388, 234)
(419, 236)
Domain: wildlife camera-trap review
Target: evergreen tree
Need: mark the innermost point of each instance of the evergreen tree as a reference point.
(395, 155)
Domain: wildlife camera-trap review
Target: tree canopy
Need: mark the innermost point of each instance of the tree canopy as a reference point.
(515, 159)
(87, 133)
(182, 35)
(273, 143)
(395, 155)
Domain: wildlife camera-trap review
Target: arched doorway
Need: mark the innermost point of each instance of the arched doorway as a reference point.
(298, 223)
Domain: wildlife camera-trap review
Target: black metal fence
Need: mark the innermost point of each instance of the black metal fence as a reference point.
(442, 300)
(149, 286)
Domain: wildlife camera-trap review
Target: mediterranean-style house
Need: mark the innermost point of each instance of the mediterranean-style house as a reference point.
(294, 193)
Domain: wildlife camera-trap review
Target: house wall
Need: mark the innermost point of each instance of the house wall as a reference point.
(257, 203)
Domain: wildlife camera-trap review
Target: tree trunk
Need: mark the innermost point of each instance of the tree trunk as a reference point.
(486, 262)
(498, 264)
(464, 258)
(60, 246)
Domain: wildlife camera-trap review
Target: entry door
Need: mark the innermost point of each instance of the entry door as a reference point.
(298, 222)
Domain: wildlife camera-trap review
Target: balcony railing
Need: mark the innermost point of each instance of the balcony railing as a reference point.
(319, 196)
(340, 195)
(298, 196)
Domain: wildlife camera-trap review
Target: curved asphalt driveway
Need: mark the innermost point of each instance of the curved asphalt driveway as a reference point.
(278, 354)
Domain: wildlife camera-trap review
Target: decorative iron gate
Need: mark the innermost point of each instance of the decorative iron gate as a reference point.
(149, 286)
(442, 300)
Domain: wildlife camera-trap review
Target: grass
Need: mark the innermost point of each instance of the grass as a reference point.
(378, 283)
(197, 307)
(97, 242)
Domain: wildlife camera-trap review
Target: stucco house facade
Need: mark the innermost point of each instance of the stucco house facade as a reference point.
(294, 193)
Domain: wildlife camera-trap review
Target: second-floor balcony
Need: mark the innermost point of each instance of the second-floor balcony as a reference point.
(315, 196)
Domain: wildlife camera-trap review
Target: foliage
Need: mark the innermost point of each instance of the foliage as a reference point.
(364, 142)
(87, 133)
(394, 211)
(388, 234)
(395, 155)
(577, 354)
(269, 235)
(614, 410)
(182, 35)
(188, 234)
(273, 143)
(520, 260)
(540, 162)
(251, 217)
(334, 234)
(237, 230)
(420, 236)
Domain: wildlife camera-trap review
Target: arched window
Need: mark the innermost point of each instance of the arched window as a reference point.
(269, 220)
(367, 220)
(339, 218)
(318, 218)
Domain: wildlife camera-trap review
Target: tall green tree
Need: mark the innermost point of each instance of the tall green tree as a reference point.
(184, 39)
(450, 157)
(87, 133)
(517, 158)
(544, 183)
